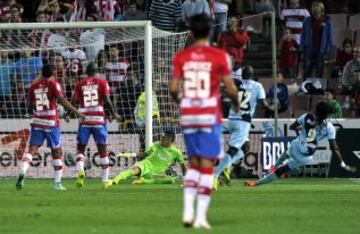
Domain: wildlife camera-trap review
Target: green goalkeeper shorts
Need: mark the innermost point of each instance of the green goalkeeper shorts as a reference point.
(146, 168)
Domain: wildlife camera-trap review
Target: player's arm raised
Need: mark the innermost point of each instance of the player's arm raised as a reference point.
(335, 151)
(231, 91)
(296, 126)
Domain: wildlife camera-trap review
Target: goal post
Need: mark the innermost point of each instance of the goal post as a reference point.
(146, 54)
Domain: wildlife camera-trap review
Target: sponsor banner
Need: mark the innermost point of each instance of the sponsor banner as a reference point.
(349, 144)
(13, 146)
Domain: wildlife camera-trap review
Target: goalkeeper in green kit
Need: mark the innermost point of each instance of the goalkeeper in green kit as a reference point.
(158, 158)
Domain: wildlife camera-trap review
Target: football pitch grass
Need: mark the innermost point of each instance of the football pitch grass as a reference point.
(288, 206)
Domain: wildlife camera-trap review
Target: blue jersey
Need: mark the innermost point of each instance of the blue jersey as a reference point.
(311, 134)
(250, 92)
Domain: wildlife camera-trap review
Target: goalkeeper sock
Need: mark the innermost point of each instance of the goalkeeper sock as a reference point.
(267, 179)
(25, 164)
(165, 180)
(280, 161)
(205, 188)
(104, 163)
(191, 181)
(80, 158)
(58, 168)
(124, 175)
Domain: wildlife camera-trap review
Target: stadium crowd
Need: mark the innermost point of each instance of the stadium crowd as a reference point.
(308, 49)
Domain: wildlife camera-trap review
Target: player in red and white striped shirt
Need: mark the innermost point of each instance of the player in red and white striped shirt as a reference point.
(91, 94)
(108, 9)
(44, 95)
(201, 69)
(293, 17)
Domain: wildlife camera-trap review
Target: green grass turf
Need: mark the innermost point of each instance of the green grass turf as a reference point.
(288, 206)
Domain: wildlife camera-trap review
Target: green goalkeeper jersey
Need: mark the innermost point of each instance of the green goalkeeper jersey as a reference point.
(161, 158)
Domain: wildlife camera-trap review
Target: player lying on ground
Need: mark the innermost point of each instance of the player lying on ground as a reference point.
(198, 70)
(313, 128)
(250, 93)
(158, 158)
(91, 94)
(44, 95)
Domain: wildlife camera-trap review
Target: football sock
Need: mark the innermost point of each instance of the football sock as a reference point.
(58, 168)
(267, 179)
(280, 161)
(165, 180)
(205, 188)
(80, 158)
(26, 161)
(225, 163)
(124, 175)
(191, 181)
(104, 163)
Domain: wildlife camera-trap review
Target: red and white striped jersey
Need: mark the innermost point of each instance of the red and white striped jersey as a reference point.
(43, 96)
(89, 93)
(201, 69)
(116, 71)
(75, 62)
(294, 19)
(79, 11)
(107, 9)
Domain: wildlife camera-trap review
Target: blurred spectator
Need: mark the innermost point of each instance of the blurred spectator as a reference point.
(355, 93)
(57, 40)
(193, 7)
(264, 6)
(133, 13)
(116, 68)
(234, 41)
(75, 60)
(316, 40)
(60, 74)
(59, 10)
(40, 37)
(288, 55)
(166, 14)
(343, 56)
(282, 97)
(81, 9)
(102, 59)
(5, 11)
(293, 17)
(15, 15)
(108, 10)
(330, 98)
(348, 78)
(221, 8)
(129, 91)
(28, 68)
(43, 6)
(93, 40)
(7, 72)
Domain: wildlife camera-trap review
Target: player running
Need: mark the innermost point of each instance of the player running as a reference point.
(44, 95)
(313, 128)
(201, 69)
(91, 94)
(158, 158)
(249, 94)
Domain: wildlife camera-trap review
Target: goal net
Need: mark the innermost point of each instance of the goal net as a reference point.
(119, 49)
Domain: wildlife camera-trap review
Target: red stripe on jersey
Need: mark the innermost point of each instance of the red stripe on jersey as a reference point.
(296, 30)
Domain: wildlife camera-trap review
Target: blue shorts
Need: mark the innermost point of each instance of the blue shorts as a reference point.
(99, 133)
(52, 136)
(204, 142)
(239, 133)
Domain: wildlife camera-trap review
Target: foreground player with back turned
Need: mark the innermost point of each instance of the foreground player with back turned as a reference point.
(91, 94)
(201, 69)
(313, 128)
(44, 95)
(158, 158)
